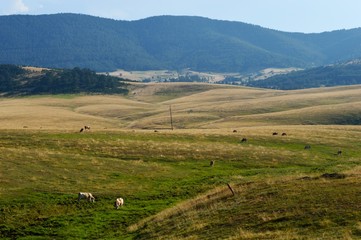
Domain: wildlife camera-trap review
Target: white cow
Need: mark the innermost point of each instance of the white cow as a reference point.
(118, 203)
(86, 195)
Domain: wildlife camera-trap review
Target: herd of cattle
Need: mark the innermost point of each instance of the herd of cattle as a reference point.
(307, 147)
(90, 198)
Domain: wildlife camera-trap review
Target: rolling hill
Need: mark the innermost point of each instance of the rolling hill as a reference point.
(194, 106)
(165, 42)
(346, 73)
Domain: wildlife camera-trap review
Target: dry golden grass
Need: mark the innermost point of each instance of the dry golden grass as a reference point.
(34, 69)
(47, 113)
(184, 208)
(193, 106)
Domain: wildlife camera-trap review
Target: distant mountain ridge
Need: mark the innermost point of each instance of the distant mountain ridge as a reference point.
(165, 42)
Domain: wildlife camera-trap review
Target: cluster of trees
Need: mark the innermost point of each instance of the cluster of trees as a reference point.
(188, 78)
(16, 80)
(181, 78)
(8, 76)
(233, 81)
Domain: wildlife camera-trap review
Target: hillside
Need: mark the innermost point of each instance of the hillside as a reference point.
(165, 42)
(194, 106)
(16, 80)
(347, 73)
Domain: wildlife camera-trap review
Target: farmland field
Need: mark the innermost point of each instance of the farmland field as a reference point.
(280, 189)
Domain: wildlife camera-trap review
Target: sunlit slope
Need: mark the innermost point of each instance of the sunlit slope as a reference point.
(192, 106)
(300, 207)
(235, 107)
(67, 112)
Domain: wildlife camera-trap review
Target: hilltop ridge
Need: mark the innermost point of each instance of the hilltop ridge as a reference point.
(165, 42)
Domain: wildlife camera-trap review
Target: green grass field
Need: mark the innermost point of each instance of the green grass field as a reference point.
(172, 192)
(281, 190)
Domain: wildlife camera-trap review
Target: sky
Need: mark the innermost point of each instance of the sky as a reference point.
(308, 16)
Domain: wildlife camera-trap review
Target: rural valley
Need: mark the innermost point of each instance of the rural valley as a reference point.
(157, 129)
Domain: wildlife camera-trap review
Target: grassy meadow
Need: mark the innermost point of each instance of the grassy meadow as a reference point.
(281, 190)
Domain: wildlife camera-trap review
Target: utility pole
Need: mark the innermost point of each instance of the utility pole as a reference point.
(171, 117)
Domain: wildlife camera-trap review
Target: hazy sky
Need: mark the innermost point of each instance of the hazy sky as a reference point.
(286, 15)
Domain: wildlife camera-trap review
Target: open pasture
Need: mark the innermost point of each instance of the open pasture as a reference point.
(170, 190)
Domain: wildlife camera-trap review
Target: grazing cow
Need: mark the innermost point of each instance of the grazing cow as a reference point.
(284, 134)
(86, 195)
(275, 133)
(234, 131)
(307, 147)
(118, 203)
(87, 127)
(244, 140)
(212, 163)
(339, 152)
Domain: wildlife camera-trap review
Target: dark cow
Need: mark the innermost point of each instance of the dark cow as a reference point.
(244, 140)
(284, 134)
(339, 152)
(212, 163)
(275, 133)
(307, 147)
(234, 131)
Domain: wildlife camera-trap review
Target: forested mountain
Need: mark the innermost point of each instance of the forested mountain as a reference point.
(165, 42)
(347, 73)
(15, 80)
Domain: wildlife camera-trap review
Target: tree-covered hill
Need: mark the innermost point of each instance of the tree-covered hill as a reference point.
(348, 73)
(165, 42)
(15, 80)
